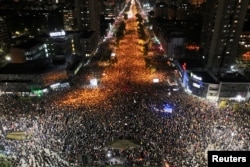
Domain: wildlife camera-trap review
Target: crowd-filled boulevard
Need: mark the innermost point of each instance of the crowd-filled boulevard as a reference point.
(73, 127)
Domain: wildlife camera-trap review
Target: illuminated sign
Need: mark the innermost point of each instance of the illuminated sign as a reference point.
(196, 77)
(56, 34)
(196, 85)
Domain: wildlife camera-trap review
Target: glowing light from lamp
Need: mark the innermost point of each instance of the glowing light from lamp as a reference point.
(8, 58)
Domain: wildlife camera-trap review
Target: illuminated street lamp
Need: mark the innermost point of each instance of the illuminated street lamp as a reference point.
(7, 58)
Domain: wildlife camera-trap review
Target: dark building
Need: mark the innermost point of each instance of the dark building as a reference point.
(161, 10)
(59, 44)
(32, 50)
(4, 34)
(87, 14)
(109, 10)
(88, 41)
(84, 42)
(171, 34)
(30, 18)
(222, 26)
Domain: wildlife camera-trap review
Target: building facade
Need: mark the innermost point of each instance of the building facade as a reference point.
(60, 43)
(89, 42)
(68, 19)
(4, 35)
(87, 15)
(202, 83)
(32, 50)
(222, 26)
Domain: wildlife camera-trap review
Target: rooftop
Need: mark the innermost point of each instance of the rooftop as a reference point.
(232, 77)
(29, 44)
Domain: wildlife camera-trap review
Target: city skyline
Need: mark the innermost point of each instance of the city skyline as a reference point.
(84, 29)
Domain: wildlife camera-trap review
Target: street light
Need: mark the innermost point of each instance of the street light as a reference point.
(7, 58)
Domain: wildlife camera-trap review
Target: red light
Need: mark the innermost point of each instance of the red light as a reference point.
(184, 66)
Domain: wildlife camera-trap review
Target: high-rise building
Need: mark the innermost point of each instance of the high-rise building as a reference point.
(245, 35)
(222, 25)
(87, 15)
(161, 10)
(87, 26)
(68, 19)
(4, 35)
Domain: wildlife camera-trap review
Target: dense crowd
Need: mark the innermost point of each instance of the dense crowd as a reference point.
(60, 135)
(128, 106)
